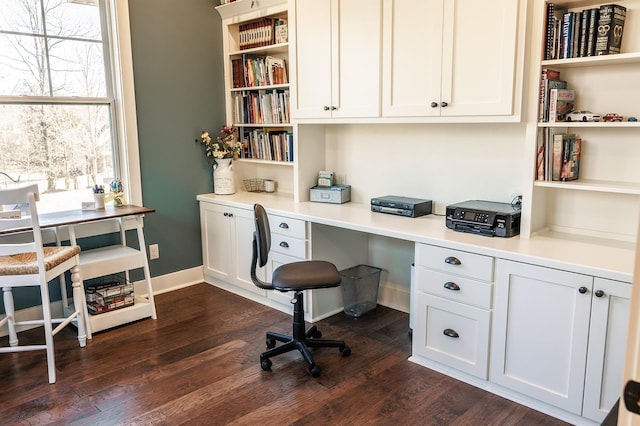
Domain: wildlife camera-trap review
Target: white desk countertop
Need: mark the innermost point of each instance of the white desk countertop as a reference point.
(585, 255)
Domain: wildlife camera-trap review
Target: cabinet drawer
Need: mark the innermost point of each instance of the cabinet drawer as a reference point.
(455, 261)
(289, 246)
(452, 334)
(452, 287)
(283, 225)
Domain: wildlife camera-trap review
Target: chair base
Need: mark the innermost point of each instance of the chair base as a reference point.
(300, 340)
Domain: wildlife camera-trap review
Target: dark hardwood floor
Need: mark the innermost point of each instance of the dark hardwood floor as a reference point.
(197, 364)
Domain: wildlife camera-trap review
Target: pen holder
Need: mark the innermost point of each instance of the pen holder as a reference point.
(98, 199)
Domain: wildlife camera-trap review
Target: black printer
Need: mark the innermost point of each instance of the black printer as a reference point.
(487, 218)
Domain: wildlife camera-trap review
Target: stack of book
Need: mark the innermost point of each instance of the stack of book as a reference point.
(261, 107)
(556, 99)
(559, 157)
(589, 32)
(109, 296)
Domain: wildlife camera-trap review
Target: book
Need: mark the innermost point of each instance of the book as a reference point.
(281, 31)
(561, 102)
(611, 19)
(584, 28)
(567, 33)
(556, 162)
(572, 147)
(592, 31)
(549, 30)
(551, 84)
(546, 74)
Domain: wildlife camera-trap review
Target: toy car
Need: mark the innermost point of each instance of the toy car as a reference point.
(582, 115)
(632, 119)
(612, 116)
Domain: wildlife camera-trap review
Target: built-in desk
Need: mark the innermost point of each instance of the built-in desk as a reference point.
(540, 321)
(591, 256)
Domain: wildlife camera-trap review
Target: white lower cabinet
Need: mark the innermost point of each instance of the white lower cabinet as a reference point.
(452, 308)
(559, 337)
(227, 238)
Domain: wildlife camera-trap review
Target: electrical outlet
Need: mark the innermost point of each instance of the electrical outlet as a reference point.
(154, 251)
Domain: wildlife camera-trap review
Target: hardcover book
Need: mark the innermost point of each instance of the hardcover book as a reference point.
(592, 30)
(610, 26)
(546, 74)
(551, 84)
(561, 102)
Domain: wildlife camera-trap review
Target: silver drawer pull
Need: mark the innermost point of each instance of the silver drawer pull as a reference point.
(451, 286)
(450, 333)
(283, 225)
(284, 244)
(452, 261)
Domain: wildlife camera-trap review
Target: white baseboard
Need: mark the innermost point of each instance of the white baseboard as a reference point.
(160, 284)
(394, 296)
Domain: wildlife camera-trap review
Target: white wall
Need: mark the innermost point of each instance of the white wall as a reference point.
(446, 163)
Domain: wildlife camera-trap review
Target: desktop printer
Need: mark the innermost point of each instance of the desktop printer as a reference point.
(402, 206)
(484, 218)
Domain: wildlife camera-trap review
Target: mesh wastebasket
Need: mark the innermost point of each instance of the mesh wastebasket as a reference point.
(360, 289)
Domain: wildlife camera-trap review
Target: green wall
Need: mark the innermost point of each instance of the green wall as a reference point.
(178, 71)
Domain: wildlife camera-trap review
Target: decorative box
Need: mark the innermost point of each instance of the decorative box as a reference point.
(336, 194)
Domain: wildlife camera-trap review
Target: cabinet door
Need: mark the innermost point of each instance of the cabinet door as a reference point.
(313, 59)
(357, 40)
(540, 332)
(244, 225)
(479, 57)
(217, 241)
(412, 53)
(338, 44)
(607, 342)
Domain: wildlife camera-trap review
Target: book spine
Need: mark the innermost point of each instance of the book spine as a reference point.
(567, 30)
(610, 27)
(566, 157)
(550, 23)
(584, 27)
(553, 105)
(558, 145)
(591, 36)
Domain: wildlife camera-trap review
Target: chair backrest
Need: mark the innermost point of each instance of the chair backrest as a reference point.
(24, 195)
(261, 244)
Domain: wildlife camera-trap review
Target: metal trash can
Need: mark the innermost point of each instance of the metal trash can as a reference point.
(360, 289)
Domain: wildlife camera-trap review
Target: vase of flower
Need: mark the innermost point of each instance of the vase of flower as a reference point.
(224, 179)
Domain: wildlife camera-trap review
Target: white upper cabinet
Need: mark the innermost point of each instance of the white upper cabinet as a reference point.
(450, 58)
(337, 58)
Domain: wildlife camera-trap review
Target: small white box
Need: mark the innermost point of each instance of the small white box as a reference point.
(336, 194)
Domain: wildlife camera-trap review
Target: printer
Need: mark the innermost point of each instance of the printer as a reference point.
(487, 218)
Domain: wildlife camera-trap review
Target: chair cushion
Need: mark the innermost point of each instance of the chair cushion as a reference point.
(306, 275)
(27, 263)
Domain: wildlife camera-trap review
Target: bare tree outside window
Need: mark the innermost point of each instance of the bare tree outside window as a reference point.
(55, 101)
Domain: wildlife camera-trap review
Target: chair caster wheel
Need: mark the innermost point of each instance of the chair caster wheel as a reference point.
(265, 364)
(315, 371)
(317, 334)
(271, 342)
(345, 350)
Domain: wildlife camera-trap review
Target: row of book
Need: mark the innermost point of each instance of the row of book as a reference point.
(261, 107)
(589, 32)
(262, 32)
(262, 144)
(254, 71)
(558, 157)
(556, 100)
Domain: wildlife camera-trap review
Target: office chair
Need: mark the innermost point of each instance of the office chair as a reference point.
(29, 264)
(295, 277)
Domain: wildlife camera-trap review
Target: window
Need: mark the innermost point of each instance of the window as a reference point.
(59, 106)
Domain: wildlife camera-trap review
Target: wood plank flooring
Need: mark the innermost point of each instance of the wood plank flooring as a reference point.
(197, 364)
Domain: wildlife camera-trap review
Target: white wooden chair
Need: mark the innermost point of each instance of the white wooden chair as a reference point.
(30, 264)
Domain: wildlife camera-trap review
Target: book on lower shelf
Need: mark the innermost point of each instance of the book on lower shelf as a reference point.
(109, 294)
(558, 157)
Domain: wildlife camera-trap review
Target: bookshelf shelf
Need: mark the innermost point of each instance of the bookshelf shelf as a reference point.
(272, 49)
(593, 125)
(268, 162)
(269, 87)
(593, 185)
(594, 61)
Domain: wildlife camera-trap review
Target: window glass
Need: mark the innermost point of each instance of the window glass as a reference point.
(56, 108)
